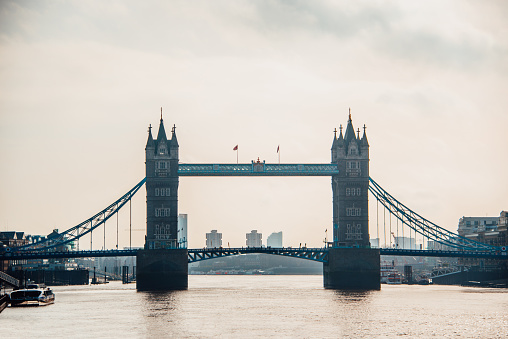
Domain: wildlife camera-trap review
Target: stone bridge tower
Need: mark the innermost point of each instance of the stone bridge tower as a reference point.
(351, 188)
(161, 162)
(162, 264)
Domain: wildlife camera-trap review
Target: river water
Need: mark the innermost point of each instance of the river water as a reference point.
(260, 307)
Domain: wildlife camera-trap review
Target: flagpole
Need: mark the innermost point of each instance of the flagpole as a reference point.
(236, 149)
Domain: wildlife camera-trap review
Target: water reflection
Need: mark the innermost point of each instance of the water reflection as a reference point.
(160, 310)
(160, 302)
(353, 296)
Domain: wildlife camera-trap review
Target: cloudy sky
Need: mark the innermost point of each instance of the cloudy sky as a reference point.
(80, 82)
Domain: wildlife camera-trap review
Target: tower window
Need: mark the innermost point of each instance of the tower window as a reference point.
(157, 192)
(353, 168)
(162, 212)
(353, 212)
(348, 191)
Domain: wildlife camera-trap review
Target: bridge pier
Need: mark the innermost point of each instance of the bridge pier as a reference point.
(162, 270)
(352, 269)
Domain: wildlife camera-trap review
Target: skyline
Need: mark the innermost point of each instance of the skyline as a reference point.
(81, 82)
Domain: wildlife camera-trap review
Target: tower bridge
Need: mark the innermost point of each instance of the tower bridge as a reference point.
(348, 261)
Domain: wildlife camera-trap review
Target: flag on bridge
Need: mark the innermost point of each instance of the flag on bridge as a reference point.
(236, 149)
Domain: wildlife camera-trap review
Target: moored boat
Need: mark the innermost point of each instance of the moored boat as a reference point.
(394, 279)
(33, 295)
(389, 275)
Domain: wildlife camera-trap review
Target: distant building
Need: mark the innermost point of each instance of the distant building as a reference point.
(436, 246)
(182, 231)
(490, 230)
(405, 243)
(274, 240)
(213, 239)
(15, 239)
(11, 239)
(254, 239)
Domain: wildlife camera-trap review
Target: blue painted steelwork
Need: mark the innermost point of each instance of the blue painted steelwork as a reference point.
(416, 222)
(425, 227)
(83, 228)
(315, 254)
(441, 253)
(67, 254)
(257, 169)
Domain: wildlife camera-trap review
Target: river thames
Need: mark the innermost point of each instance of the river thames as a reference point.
(263, 306)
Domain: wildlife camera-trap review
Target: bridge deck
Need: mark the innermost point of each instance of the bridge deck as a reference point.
(316, 254)
(450, 254)
(257, 169)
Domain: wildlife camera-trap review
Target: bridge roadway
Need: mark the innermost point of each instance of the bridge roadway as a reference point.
(194, 255)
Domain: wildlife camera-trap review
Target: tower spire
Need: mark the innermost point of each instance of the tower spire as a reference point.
(365, 142)
(161, 113)
(150, 142)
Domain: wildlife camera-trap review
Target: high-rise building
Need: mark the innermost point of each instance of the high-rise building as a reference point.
(274, 240)
(213, 239)
(350, 188)
(161, 162)
(182, 231)
(254, 239)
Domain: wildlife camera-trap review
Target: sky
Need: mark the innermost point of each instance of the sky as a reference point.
(81, 81)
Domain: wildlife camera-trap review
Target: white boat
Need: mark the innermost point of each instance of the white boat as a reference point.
(394, 278)
(33, 295)
(389, 275)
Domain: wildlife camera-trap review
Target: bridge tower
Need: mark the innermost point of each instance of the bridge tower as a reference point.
(162, 264)
(161, 165)
(351, 188)
(352, 264)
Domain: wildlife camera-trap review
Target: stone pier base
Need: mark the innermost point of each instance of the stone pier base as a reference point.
(162, 270)
(352, 269)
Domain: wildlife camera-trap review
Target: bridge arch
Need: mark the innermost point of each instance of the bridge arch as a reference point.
(314, 254)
